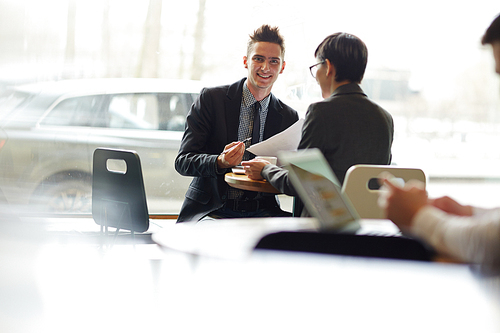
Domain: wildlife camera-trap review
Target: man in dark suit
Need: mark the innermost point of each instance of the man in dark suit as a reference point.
(346, 126)
(217, 126)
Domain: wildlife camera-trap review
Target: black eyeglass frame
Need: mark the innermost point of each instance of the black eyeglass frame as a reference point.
(313, 68)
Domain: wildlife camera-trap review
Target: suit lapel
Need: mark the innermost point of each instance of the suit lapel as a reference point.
(232, 106)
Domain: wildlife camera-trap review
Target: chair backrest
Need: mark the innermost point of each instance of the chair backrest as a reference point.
(118, 195)
(361, 186)
(389, 247)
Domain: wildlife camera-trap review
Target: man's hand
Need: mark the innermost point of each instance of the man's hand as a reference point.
(450, 206)
(401, 204)
(253, 168)
(231, 156)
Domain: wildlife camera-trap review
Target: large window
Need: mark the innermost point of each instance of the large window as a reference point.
(426, 67)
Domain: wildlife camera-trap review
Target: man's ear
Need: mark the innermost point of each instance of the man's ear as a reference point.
(283, 67)
(245, 61)
(330, 69)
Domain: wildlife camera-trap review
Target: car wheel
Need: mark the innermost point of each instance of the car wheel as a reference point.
(69, 196)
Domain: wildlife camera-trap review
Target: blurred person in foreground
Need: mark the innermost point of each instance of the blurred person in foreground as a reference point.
(347, 127)
(219, 123)
(470, 234)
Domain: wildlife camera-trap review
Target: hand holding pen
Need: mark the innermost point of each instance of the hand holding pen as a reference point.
(232, 154)
(246, 142)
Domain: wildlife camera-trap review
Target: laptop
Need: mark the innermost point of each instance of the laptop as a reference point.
(320, 191)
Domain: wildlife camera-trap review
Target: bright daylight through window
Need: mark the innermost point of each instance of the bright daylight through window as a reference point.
(137, 66)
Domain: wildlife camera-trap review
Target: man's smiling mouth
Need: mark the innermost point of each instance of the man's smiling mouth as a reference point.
(264, 76)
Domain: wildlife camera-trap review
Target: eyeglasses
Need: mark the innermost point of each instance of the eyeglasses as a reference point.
(314, 68)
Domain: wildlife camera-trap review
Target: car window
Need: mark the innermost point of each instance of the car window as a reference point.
(158, 111)
(11, 100)
(153, 111)
(174, 110)
(139, 111)
(76, 111)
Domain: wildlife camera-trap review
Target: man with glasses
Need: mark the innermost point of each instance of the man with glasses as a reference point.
(219, 126)
(346, 126)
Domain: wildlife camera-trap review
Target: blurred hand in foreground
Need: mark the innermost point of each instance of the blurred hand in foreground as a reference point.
(451, 206)
(402, 203)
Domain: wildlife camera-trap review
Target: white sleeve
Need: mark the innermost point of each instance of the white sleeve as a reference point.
(474, 239)
(477, 211)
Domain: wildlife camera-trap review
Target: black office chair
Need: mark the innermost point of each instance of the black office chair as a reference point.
(118, 196)
(390, 247)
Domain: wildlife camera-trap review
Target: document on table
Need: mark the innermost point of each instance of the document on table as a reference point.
(284, 141)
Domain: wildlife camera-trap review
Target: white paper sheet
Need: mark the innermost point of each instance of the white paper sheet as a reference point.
(284, 141)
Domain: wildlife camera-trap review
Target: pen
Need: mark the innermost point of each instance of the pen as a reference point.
(247, 140)
(244, 141)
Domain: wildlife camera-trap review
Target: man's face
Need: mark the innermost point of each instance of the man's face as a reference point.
(264, 64)
(496, 55)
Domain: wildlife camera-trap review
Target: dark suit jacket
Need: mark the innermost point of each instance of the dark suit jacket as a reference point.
(348, 128)
(211, 124)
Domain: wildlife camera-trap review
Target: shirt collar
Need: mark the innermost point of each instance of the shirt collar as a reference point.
(249, 99)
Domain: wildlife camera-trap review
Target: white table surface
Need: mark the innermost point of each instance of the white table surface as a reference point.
(71, 284)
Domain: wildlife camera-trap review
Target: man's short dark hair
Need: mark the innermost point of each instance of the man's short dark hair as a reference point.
(347, 53)
(492, 34)
(269, 34)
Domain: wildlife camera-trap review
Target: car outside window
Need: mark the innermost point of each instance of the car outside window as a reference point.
(50, 137)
